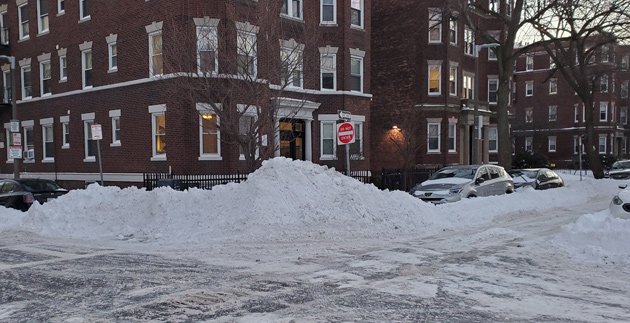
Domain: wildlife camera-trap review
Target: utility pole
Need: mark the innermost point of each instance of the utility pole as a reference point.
(14, 114)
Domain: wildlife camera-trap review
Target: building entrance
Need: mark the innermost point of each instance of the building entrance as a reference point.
(292, 136)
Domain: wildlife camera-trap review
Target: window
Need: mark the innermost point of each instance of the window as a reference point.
(435, 79)
(553, 86)
(86, 67)
(112, 52)
(61, 7)
(29, 139)
(603, 111)
(159, 134)
(529, 88)
(209, 135)
(63, 68)
(207, 49)
(493, 5)
(356, 148)
(452, 30)
(23, 16)
(469, 41)
(625, 62)
(623, 115)
(65, 135)
(551, 146)
(292, 8)
(552, 63)
(48, 142)
(576, 145)
(493, 88)
(115, 116)
(576, 113)
(247, 127)
(356, 13)
(492, 56)
(6, 87)
(42, 14)
(328, 141)
(435, 25)
(553, 112)
(4, 31)
(44, 76)
(329, 11)
(602, 144)
(624, 90)
(328, 70)
(605, 54)
(529, 115)
(529, 62)
(468, 86)
(528, 144)
(84, 9)
(156, 66)
(292, 64)
(247, 53)
(452, 137)
(356, 74)
(433, 137)
(452, 80)
(88, 142)
(27, 85)
(603, 84)
(492, 139)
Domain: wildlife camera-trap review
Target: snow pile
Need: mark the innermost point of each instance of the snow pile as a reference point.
(597, 237)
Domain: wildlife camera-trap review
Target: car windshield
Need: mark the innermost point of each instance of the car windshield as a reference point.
(468, 173)
(623, 164)
(530, 173)
(40, 186)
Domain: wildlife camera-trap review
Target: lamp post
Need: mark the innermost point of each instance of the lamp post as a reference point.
(476, 149)
(14, 117)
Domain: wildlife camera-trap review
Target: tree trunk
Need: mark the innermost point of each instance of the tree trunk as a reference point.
(503, 123)
(592, 153)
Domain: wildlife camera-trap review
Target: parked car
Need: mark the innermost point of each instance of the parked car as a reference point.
(453, 183)
(620, 170)
(538, 178)
(620, 204)
(20, 194)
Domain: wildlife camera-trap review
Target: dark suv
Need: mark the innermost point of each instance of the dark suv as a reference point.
(20, 194)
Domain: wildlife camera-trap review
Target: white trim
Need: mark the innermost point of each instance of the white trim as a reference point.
(46, 121)
(28, 123)
(431, 122)
(335, 117)
(439, 66)
(157, 108)
(289, 13)
(64, 119)
(114, 113)
(323, 22)
(362, 26)
(88, 116)
(435, 12)
(88, 177)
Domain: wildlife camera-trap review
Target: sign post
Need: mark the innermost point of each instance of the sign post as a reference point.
(345, 136)
(97, 134)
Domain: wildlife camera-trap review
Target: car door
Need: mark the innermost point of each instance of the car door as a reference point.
(3, 196)
(496, 181)
(483, 189)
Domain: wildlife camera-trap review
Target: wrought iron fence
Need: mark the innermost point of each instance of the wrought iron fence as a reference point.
(404, 179)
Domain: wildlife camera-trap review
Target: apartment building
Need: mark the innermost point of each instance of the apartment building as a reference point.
(434, 94)
(549, 117)
(123, 65)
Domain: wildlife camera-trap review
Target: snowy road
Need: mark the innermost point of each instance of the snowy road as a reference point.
(506, 270)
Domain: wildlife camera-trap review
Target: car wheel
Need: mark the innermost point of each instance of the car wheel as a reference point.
(471, 196)
(509, 191)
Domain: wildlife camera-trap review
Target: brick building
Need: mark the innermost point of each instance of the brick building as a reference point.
(424, 73)
(549, 116)
(120, 64)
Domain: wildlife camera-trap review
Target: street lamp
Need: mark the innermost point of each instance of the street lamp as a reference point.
(478, 125)
(14, 117)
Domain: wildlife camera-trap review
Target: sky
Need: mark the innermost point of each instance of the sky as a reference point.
(297, 201)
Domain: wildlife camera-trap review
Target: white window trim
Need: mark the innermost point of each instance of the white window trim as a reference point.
(362, 26)
(467, 31)
(244, 30)
(65, 140)
(552, 82)
(289, 13)
(22, 68)
(550, 140)
(454, 125)
(496, 146)
(63, 77)
(87, 118)
(601, 105)
(497, 91)
(549, 113)
(213, 36)
(321, 140)
(41, 77)
(26, 125)
(358, 54)
(41, 31)
(47, 123)
(249, 111)
(429, 65)
(527, 59)
(156, 110)
(20, 22)
(111, 42)
(453, 40)
(531, 144)
(529, 85)
(439, 132)
(321, 14)
(433, 12)
(292, 48)
(203, 108)
(59, 10)
(83, 68)
(453, 91)
(81, 17)
(332, 52)
(358, 125)
(115, 114)
(605, 144)
(152, 73)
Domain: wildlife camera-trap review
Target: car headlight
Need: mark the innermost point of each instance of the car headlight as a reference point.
(617, 200)
(455, 190)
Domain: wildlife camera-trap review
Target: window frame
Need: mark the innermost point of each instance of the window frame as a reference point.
(465, 90)
(115, 122)
(553, 108)
(496, 92)
(203, 155)
(430, 66)
(23, 84)
(599, 144)
(452, 139)
(63, 68)
(248, 35)
(112, 54)
(529, 88)
(290, 10)
(41, 18)
(361, 11)
(65, 134)
(358, 128)
(529, 141)
(61, 7)
(24, 32)
(85, 72)
(604, 112)
(210, 37)
(434, 25)
(552, 144)
(334, 13)
(529, 63)
(84, 10)
(493, 135)
(469, 41)
(155, 156)
(87, 135)
(42, 78)
(553, 86)
(453, 26)
(45, 151)
(452, 83)
(324, 70)
(333, 125)
(529, 115)
(360, 75)
(439, 126)
(152, 55)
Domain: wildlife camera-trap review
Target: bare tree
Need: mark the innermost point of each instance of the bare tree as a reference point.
(580, 38)
(245, 71)
(406, 140)
(511, 19)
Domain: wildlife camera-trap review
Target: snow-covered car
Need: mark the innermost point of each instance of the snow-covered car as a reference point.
(538, 178)
(620, 204)
(620, 170)
(453, 183)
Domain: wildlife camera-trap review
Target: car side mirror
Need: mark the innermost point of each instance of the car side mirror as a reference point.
(623, 187)
(479, 180)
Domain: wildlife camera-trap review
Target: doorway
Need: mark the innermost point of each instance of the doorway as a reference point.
(292, 134)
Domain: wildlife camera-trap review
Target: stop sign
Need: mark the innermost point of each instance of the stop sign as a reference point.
(345, 133)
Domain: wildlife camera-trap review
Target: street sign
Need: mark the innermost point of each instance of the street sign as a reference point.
(16, 139)
(15, 152)
(344, 115)
(345, 133)
(15, 126)
(97, 132)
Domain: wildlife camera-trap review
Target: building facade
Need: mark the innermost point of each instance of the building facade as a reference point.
(138, 70)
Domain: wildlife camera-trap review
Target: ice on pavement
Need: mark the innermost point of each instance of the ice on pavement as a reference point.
(288, 200)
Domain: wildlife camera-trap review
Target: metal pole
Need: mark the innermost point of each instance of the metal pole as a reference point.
(580, 143)
(14, 115)
(100, 162)
(476, 124)
(347, 159)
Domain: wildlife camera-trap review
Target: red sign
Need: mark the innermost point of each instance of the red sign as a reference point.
(345, 133)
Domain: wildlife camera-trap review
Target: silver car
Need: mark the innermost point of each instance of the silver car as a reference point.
(453, 183)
